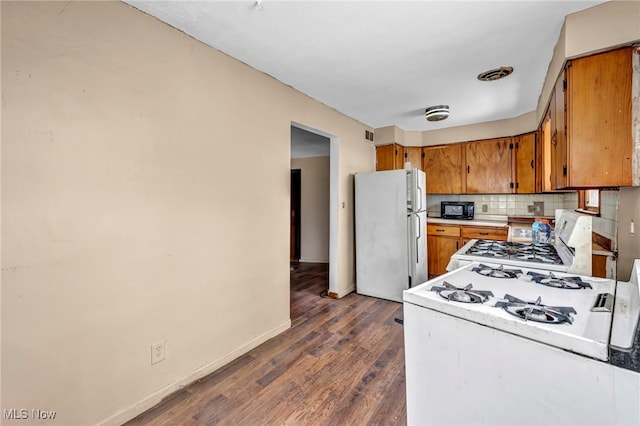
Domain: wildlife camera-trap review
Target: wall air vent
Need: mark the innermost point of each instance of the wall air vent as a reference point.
(495, 74)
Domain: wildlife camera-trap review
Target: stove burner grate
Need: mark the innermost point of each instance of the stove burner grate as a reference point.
(488, 252)
(464, 294)
(537, 253)
(498, 272)
(552, 280)
(536, 311)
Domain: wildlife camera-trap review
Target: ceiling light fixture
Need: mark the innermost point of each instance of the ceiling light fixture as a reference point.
(495, 74)
(437, 112)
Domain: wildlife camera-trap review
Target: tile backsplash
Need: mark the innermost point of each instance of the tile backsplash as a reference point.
(507, 204)
(517, 205)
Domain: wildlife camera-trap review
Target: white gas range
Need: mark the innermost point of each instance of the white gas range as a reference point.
(490, 343)
(571, 251)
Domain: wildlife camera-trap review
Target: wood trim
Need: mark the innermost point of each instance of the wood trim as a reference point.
(602, 241)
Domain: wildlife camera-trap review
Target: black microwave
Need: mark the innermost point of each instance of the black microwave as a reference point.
(456, 210)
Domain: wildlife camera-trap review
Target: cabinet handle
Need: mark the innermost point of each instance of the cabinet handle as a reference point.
(468, 169)
(439, 230)
(532, 164)
(483, 233)
(456, 245)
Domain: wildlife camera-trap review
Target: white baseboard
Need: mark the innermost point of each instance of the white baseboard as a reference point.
(151, 400)
(313, 261)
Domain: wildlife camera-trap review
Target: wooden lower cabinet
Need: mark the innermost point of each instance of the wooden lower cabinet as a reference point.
(598, 266)
(444, 240)
(484, 233)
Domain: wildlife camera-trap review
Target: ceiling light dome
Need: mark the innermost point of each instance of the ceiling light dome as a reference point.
(437, 112)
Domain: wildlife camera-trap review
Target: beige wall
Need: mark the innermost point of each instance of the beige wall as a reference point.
(628, 242)
(130, 180)
(314, 215)
(492, 129)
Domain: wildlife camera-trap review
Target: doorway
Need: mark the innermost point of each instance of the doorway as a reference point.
(318, 240)
(294, 236)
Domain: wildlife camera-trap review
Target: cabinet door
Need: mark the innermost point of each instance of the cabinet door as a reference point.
(443, 166)
(558, 135)
(599, 136)
(484, 233)
(439, 251)
(414, 156)
(489, 166)
(440, 230)
(525, 163)
(388, 157)
(541, 142)
(598, 266)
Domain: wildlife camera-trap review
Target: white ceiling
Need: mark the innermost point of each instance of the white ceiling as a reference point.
(384, 62)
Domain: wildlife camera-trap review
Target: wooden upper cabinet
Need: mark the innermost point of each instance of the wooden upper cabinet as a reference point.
(599, 120)
(488, 166)
(524, 163)
(443, 166)
(550, 148)
(539, 150)
(389, 157)
(414, 156)
(558, 114)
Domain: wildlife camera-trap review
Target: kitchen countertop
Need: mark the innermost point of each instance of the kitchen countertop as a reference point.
(497, 221)
(500, 221)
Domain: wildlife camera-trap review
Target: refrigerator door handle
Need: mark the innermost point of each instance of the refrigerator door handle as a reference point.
(422, 192)
(415, 190)
(418, 237)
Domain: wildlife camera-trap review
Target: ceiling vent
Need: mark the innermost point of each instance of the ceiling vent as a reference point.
(495, 74)
(437, 113)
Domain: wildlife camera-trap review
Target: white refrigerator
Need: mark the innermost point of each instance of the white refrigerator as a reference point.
(390, 228)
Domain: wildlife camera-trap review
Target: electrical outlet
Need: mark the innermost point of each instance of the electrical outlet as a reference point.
(485, 208)
(538, 207)
(157, 352)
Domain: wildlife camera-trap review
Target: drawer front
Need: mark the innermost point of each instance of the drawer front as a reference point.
(443, 230)
(485, 233)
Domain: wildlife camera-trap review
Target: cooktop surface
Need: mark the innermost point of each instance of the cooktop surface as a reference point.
(561, 309)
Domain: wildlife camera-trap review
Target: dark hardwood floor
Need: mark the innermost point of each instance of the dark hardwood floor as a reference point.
(341, 363)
